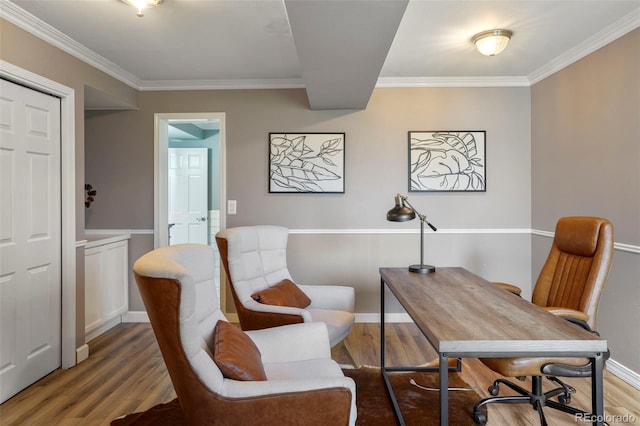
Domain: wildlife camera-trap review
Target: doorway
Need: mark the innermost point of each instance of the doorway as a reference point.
(190, 180)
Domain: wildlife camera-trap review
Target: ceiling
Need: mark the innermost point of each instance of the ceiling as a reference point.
(338, 50)
(192, 130)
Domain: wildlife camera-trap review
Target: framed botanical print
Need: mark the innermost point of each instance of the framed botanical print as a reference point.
(306, 162)
(447, 161)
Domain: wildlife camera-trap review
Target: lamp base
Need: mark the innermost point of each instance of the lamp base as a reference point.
(422, 269)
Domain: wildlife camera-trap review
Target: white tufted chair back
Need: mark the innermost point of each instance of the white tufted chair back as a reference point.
(257, 258)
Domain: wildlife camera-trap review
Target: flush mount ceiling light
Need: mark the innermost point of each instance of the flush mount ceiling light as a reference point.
(492, 42)
(143, 4)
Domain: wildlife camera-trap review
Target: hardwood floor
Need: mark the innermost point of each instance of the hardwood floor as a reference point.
(125, 373)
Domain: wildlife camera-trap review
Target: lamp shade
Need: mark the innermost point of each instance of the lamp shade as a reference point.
(400, 213)
(492, 42)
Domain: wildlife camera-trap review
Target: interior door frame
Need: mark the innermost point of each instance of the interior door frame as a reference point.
(161, 161)
(68, 197)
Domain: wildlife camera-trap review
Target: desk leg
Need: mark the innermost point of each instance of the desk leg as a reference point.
(597, 393)
(444, 389)
(382, 324)
(385, 376)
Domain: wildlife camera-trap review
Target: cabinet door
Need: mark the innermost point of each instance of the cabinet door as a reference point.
(93, 283)
(116, 274)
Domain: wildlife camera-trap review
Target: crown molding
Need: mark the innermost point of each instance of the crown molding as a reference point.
(613, 32)
(23, 19)
(298, 83)
(499, 81)
(222, 84)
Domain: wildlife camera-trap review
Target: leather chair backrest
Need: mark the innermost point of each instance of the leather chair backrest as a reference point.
(178, 289)
(256, 257)
(575, 272)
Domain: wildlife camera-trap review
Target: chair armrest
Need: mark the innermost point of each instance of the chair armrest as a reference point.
(578, 318)
(565, 370)
(333, 297)
(567, 313)
(509, 287)
(252, 305)
(295, 342)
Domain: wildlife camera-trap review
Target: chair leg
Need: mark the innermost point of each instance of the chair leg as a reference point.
(567, 408)
(344, 348)
(494, 389)
(564, 392)
(538, 406)
(480, 417)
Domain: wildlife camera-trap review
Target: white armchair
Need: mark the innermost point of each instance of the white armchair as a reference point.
(303, 384)
(255, 259)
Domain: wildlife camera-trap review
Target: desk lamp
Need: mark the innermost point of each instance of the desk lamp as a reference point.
(402, 213)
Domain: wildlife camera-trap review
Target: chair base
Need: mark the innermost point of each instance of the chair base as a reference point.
(535, 397)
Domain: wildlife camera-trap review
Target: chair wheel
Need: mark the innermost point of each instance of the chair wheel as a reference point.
(493, 390)
(479, 417)
(564, 399)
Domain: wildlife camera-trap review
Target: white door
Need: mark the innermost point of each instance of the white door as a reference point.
(30, 237)
(188, 191)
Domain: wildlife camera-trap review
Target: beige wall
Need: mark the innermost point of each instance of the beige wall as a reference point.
(376, 156)
(586, 156)
(120, 164)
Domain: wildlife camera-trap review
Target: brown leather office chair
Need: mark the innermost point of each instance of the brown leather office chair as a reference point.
(569, 285)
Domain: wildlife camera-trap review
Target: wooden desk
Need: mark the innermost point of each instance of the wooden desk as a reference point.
(463, 315)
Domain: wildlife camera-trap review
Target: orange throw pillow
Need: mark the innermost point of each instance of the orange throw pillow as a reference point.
(235, 354)
(285, 293)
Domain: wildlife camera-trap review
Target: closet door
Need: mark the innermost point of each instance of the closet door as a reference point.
(30, 237)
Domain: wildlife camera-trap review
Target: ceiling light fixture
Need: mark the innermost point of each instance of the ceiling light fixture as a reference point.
(143, 4)
(492, 42)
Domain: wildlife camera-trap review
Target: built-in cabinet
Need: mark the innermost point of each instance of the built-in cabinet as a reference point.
(106, 282)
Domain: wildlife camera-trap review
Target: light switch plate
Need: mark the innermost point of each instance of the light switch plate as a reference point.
(231, 206)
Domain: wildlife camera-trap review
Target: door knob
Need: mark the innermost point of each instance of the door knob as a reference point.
(201, 219)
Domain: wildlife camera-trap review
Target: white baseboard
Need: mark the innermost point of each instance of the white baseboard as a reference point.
(82, 353)
(135, 316)
(623, 373)
(391, 318)
(90, 335)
